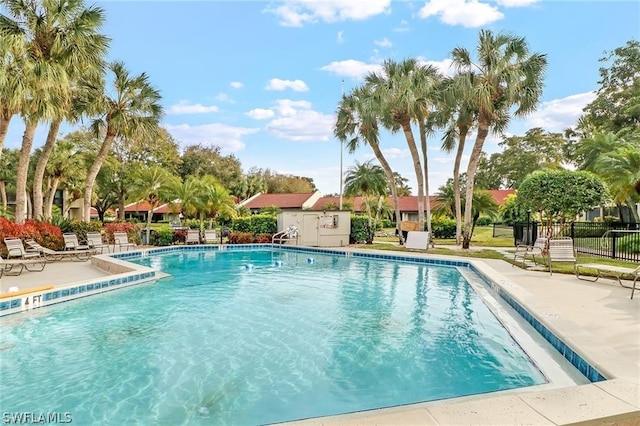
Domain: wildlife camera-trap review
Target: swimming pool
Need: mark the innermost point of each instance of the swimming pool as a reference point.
(258, 336)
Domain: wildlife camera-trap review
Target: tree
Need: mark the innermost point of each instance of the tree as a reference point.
(483, 203)
(403, 90)
(402, 185)
(520, 156)
(506, 76)
(200, 160)
(546, 192)
(617, 102)
(214, 200)
(12, 83)
(132, 112)
(64, 165)
(367, 180)
(8, 167)
(150, 184)
(357, 122)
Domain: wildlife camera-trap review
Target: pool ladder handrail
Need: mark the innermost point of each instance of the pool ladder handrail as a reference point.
(289, 234)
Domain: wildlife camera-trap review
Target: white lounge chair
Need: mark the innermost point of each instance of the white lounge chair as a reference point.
(193, 236)
(95, 241)
(17, 250)
(121, 239)
(539, 249)
(51, 255)
(611, 271)
(210, 236)
(71, 242)
(7, 265)
(561, 250)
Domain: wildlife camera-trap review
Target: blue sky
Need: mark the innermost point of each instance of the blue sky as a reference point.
(262, 79)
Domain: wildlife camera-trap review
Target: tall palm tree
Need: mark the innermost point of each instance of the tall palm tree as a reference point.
(506, 76)
(131, 110)
(8, 167)
(186, 193)
(214, 200)
(403, 90)
(150, 184)
(357, 122)
(64, 162)
(367, 180)
(12, 84)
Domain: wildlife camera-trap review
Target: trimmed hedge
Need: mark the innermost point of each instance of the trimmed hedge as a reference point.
(256, 224)
(444, 228)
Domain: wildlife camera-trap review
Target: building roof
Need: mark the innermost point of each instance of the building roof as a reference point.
(283, 201)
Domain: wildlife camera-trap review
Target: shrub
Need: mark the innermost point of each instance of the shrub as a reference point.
(240, 238)
(386, 223)
(360, 232)
(44, 233)
(81, 228)
(179, 236)
(241, 224)
(256, 224)
(264, 238)
(163, 236)
(484, 221)
(133, 231)
(444, 228)
(629, 244)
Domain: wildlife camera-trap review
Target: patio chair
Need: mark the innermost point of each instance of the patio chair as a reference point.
(52, 255)
(193, 236)
(210, 236)
(611, 271)
(121, 239)
(539, 249)
(71, 242)
(561, 250)
(17, 250)
(7, 265)
(95, 241)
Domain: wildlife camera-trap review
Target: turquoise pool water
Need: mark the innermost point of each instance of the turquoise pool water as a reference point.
(253, 337)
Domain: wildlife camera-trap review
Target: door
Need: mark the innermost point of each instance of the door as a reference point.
(309, 235)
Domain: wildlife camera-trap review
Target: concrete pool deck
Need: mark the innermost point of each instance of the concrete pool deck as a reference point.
(598, 320)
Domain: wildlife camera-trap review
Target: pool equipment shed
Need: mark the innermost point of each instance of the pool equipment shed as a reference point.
(316, 228)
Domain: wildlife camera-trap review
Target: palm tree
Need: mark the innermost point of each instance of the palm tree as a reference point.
(12, 84)
(403, 90)
(505, 76)
(55, 40)
(150, 184)
(214, 200)
(357, 121)
(64, 162)
(8, 167)
(367, 180)
(483, 203)
(133, 110)
(186, 193)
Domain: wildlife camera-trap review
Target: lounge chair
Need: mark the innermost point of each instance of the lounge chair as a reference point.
(121, 239)
(193, 236)
(52, 255)
(95, 241)
(210, 236)
(610, 271)
(7, 266)
(561, 250)
(539, 249)
(71, 242)
(17, 250)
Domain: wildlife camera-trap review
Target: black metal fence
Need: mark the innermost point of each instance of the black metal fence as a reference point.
(613, 240)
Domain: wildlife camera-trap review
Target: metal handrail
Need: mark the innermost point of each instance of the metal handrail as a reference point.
(604, 239)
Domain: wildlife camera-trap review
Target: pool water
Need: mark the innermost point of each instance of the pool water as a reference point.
(254, 337)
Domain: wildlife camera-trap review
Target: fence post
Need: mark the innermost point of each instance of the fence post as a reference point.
(573, 234)
(613, 245)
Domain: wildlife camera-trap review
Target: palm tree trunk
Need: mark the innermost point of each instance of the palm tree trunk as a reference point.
(423, 144)
(5, 119)
(483, 131)
(462, 136)
(38, 176)
(93, 173)
(149, 217)
(23, 170)
(411, 142)
(48, 207)
(3, 194)
(394, 191)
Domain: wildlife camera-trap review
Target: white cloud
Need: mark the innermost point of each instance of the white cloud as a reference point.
(186, 107)
(516, 3)
(260, 113)
(468, 13)
(383, 43)
(403, 27)
(558, 114)
(304, 125)
(296, 13)
(236, 84)
(340, 38)
(295, 85)
(351, 68)
(223, 97)
(287, 107)
(228, 138)
(391, 153)
(444, 66)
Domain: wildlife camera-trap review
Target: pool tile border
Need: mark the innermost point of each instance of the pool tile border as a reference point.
(137, 274)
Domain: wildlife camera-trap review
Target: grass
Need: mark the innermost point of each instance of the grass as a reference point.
(482, 236)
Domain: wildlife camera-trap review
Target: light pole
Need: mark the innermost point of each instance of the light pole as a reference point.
(528, 242)
(341, 149)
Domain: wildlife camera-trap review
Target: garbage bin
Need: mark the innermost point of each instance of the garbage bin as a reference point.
(152, 237)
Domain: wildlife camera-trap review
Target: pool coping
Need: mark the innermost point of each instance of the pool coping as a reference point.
(616, 398)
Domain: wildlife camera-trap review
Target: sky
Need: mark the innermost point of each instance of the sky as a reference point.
(262, 80)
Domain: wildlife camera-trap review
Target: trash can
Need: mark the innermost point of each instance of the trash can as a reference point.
(152, 237)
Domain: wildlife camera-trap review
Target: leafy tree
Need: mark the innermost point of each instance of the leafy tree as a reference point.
(511, 211)
(520, 156)
(65, 164)
(200, 160)
(617, 103)
(367, 180)
(560, 194)
(506, 75)
(214, 200)
(133, 111)
(150, 184)
(483, 203)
